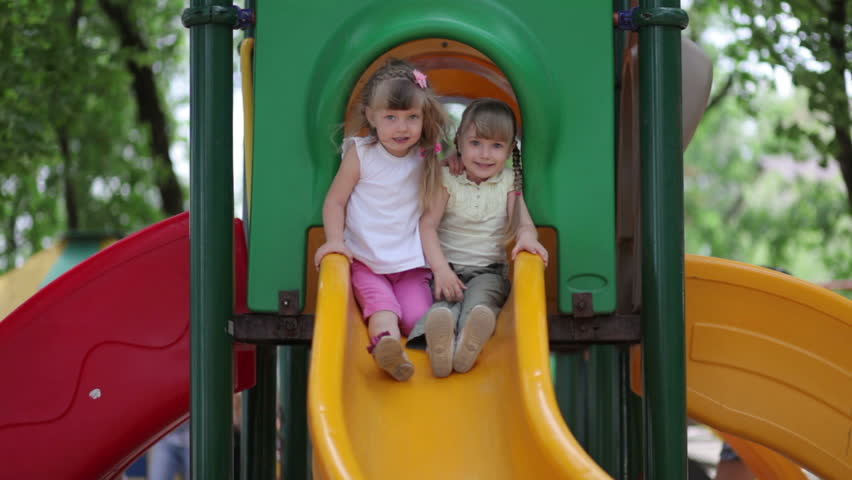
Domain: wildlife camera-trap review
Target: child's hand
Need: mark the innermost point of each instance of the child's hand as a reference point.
(454, 162)
(530, 245)
(331, 247)
(448, 286)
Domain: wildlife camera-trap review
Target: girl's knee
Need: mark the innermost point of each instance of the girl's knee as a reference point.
(410, 318)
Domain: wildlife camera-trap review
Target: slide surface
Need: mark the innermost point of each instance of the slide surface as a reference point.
(95, 366)
(499, 421)
(769, 359)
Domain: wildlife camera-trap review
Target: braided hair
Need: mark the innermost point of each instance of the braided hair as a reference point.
(495, 119)
(394, 86)
(517, 168)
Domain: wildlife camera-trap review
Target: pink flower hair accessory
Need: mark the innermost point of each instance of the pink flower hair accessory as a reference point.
(438, 149)
(420, 78)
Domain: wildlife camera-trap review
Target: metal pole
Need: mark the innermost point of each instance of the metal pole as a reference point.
(662, 248)
(258, 454)
(257, 442)
(211, 207)
(293, 363)
(604, 411)
(631, 421)
(572, 391)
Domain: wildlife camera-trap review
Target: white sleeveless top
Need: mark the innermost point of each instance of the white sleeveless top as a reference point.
(383, 213)
(472, 231)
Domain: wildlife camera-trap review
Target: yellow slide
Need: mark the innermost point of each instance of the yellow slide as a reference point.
(769, 359)
(499, 421)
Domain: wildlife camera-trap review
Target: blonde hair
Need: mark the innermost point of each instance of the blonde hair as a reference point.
(394, 87)
(495, 119)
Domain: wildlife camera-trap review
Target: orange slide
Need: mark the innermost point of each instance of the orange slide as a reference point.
(769, 362)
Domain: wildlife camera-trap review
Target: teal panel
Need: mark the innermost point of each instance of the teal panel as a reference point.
(558, 56)
(75, 252)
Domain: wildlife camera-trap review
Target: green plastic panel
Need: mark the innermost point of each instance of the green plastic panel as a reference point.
(558, 57)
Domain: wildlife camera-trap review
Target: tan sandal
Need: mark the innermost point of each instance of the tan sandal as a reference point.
(475, 334)
(439, 341)
(391, 357)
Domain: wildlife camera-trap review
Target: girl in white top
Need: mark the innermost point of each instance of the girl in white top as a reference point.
(372, 210)
(465, 229)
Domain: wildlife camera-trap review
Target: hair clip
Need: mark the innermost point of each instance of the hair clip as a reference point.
(419, 78)
(438, 149)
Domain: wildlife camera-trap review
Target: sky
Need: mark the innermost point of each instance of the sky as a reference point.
(180, 150)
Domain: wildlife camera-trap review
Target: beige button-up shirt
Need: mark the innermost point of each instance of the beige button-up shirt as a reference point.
(473, 229)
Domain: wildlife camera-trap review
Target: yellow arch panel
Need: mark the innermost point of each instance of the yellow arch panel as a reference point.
(21, 283)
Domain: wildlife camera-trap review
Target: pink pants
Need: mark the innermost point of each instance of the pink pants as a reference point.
(407, 294)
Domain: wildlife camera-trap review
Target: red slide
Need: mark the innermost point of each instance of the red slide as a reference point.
(94, 367)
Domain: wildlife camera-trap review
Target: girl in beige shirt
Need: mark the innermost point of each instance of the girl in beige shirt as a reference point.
(464, 229)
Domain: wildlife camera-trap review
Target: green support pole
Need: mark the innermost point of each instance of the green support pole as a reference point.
(662, 243)
(258, 445)
(257, 442)
(572, 392)
(294, 362)
(212, 264)
(631, 421)
(623, 450)
(604, 448)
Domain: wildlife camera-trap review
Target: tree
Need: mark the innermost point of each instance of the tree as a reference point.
(809, 39)
(746, 201)
(85, 130)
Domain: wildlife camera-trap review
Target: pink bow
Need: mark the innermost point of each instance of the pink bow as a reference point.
(420, 78)
(438, 148)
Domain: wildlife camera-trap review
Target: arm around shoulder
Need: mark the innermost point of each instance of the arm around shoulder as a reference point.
(446, 283)
(429, 222)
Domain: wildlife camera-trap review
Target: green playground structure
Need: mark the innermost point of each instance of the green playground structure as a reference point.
(559, 64)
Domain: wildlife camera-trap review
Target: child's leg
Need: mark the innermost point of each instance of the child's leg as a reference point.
(486, 292)
(383, 321)
(386, 346)
(379, 305)
(414, 292)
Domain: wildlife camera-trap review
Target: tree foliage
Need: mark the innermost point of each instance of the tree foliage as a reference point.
(810, 40)
(766, 175)
(747, 199)
(85, 129)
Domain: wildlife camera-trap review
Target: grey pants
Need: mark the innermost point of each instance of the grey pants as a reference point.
(487, 286)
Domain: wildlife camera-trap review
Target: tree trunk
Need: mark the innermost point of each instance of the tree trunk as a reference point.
(844, 158)
(11, 241)
(71, 209)
(149, 106)
(721, 93)
(840, 114)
